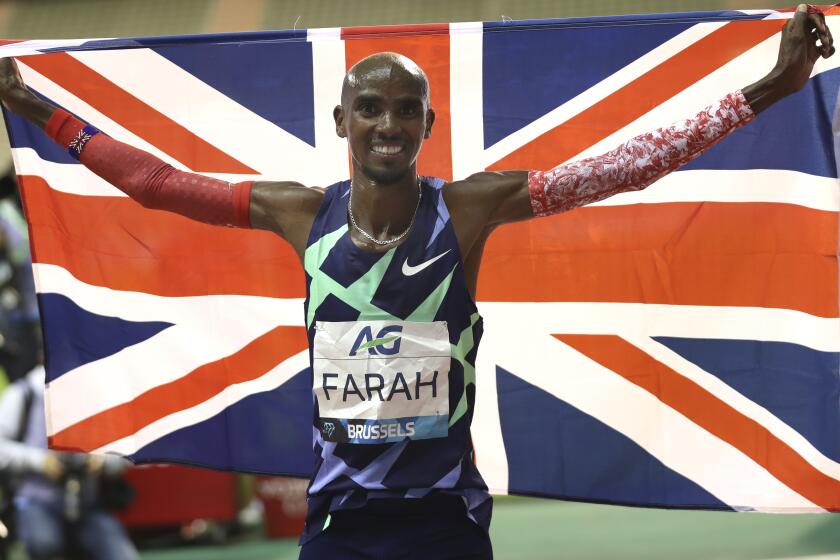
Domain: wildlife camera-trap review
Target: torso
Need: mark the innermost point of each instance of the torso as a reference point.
(470, 230)
(380, 325)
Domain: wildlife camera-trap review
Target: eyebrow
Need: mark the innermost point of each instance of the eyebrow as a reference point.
(367, 97)
(370, 97)
(409, 99)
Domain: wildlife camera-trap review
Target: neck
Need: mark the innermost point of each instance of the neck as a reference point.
(384, 210)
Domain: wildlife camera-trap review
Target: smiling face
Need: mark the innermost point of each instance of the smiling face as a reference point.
(385, 115)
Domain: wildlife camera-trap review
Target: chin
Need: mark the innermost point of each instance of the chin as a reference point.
(385, 176)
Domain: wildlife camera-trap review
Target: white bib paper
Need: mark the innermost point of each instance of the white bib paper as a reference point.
(381, 381)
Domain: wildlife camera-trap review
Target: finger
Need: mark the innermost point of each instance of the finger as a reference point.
(800, 18)
(819, 41)
(830, 38)
(817, 24)
(817, 21)
(825, 45)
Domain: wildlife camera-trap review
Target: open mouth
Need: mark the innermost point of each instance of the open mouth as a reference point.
(387, 149)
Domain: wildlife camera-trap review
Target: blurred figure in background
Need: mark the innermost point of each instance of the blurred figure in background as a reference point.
(58, 510)
(18, 303)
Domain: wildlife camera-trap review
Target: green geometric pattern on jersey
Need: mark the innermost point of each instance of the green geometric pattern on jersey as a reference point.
(421, 280)
(359, 296)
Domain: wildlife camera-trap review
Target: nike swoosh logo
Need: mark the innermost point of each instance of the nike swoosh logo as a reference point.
(409, 270)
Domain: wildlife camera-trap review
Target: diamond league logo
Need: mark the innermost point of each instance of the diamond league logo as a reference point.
(329, 429)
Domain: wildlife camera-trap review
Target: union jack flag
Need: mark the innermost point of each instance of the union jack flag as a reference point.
(672, 347)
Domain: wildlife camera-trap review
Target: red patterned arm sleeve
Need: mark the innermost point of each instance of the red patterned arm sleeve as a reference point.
(149, 180)
(638, 162)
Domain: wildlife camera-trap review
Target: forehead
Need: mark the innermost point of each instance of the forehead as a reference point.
(398, 90)
(390, 81)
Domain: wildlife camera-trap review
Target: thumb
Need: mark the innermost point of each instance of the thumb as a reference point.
(799, 21)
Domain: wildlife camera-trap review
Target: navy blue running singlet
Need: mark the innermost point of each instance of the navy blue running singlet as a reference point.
(393, 338)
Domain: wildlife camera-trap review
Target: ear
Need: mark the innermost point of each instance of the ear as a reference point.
(338, 115)
(430, 120)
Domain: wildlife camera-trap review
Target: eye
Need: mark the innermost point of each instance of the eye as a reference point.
(367, 109)
(409, 110)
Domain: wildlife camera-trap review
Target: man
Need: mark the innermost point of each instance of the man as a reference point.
(392, 261)
(46, 524)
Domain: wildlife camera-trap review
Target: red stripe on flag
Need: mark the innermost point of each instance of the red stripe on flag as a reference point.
(371, 31)
(133, 114)
(431, 53)
(758, 254)
(744, 254)
(251, 362)
(115, 242)
(639, 96)
(711, 414)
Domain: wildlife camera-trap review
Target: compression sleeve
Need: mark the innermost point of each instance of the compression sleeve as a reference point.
(638, 162)
(153, 182)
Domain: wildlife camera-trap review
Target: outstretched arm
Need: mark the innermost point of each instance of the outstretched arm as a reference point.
(638, 162)
(149, 180)
(518, 195)
(274, 206)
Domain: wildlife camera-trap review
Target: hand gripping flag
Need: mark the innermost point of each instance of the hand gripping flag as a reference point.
(672, 347)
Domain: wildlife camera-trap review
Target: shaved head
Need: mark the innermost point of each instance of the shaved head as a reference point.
(385, 116)
(384, 66)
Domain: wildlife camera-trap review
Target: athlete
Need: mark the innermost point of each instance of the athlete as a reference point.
(391, 262)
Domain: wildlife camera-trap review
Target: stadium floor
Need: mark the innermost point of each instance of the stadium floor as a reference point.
(543, 529)
(551, 530)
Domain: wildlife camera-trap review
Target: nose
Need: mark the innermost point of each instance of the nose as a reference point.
(387, 123)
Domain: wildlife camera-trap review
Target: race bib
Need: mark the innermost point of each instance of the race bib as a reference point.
(381, 381)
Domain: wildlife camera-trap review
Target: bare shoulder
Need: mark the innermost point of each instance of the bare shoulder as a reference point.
(485, 183)
(280, 205)
(482, 195)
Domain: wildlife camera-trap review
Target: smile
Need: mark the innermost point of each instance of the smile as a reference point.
(386, 150)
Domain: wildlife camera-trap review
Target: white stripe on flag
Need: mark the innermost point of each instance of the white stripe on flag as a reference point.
(736, 74)
(739, 402)
(329, 64)
(673, 439)
(637, 323)
(192, 341)
(686, 321)
(69, 178)
(255, 315)
(36, 46)
(323, 34)
(466, 98)
(140, 306)
(599, 91)
(486, 429)
(75, 178)
(749, 185)
(50, 89)
(224, 123)
(231, 395)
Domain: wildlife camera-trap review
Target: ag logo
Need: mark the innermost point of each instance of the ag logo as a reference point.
(385, 342)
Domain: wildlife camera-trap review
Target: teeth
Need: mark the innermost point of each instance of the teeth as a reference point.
(387, 150)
